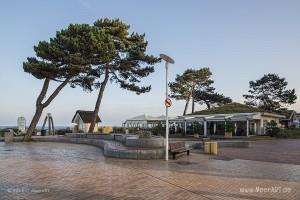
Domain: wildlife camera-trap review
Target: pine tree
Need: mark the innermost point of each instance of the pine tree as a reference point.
(190, 81)
(68, 58)
(269, 93)
(210, 98)
(129, 63)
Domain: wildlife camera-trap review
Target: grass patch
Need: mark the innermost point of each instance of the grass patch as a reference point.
(228, 108)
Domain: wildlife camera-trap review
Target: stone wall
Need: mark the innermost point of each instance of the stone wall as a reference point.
(110, 148)
(146, 143)
(127, 140)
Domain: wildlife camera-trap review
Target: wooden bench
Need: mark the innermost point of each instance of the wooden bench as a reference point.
(177, 148)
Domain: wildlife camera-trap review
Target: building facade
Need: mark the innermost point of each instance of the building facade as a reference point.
(144, 121)
(249, 121)
(82, 120)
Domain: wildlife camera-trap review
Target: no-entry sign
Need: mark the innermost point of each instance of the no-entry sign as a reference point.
(168, 102)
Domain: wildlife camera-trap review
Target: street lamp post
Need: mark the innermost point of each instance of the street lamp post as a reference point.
(167, 101)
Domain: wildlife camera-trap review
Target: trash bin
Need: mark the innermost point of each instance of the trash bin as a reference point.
(43, 132)
(214, 148)
(207, 147)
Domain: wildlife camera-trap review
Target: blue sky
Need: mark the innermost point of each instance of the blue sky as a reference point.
(239, 40)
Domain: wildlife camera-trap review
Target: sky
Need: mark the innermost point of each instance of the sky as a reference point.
(239, 40)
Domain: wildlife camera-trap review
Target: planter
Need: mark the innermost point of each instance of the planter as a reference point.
(228, 135)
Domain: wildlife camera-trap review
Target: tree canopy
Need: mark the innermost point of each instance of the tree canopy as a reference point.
(70, 57)
(270, 93)
(129, 62)
(188, 82)
(211, 98)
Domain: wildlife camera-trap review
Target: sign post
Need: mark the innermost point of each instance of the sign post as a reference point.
(168, 102)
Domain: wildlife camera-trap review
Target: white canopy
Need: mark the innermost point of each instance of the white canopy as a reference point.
(223, 117)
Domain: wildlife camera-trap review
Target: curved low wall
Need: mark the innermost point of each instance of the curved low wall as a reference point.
(127, 140)
(134, 148)
(116, 137)
(110, 148)
(136, 154)
(146, 143)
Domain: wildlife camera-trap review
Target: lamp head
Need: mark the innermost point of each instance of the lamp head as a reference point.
(166, 58)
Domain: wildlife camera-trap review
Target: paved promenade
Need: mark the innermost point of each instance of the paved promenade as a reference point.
(72, 171)
(274, 150)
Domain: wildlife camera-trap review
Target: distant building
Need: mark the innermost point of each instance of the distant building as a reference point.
(244, 124)
(83, 120)
(290, 119)
(297, 121)
(144, 121)
(246, 121)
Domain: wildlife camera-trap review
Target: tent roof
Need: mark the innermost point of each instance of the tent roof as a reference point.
(146, 117)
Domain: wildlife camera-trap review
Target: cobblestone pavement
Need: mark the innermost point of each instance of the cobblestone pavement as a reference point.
(275, 150)
(72, 171)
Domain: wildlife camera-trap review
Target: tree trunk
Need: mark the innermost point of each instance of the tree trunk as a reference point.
(34, 122)
(186, 107)
(40, 106)
(208, 105)
(193, 104)
(98, 102)
(187, 102)
(38, 110)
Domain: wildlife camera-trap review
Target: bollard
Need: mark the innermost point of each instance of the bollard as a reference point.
(207, 147)
(214, 148)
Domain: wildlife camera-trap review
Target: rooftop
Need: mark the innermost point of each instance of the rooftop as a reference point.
(229, 108)
(146, 117)
(86, 116)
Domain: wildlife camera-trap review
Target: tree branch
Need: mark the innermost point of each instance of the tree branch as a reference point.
(43, 92)
(56, 91)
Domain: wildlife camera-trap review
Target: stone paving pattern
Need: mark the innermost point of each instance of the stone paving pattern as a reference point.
(71, 171)
(275, 150)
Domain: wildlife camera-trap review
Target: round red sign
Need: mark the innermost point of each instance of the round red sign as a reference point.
(168, 102)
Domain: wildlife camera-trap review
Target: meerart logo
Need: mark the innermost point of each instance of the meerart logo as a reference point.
(273, 189)
(27, 190)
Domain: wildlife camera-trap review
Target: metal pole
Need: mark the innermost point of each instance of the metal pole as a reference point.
(247, 128)
(167, 117)
(205, 128)
(49, 125)
(168, 60)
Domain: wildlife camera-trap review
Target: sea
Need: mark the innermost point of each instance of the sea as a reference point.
(38, 127)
